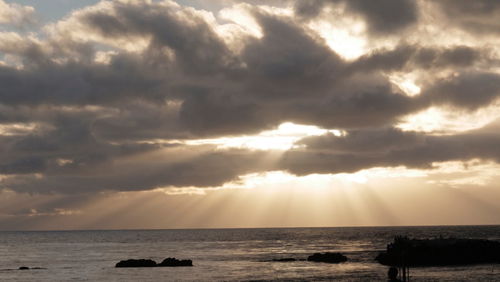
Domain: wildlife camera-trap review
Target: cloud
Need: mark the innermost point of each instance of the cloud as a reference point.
(469, 90)
(107, 97)
(379, 16)
(15, 14)
(477, 17)
(389, 147)
(406, 57)
(177, 167)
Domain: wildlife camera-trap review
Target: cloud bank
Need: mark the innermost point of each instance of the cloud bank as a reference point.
(108, 98)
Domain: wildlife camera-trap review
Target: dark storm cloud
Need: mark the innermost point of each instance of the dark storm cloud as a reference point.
(386, 16)
(205, 167)
(381, 17)
(288, 55)
(354, 106)
(477, 17)
(367, 140)
(406, 57)
(94, 126)
(287, 75)
(70, 139)
(198, 49)
(139, 120)
(75, 84)
(388, 147)
(468, 90)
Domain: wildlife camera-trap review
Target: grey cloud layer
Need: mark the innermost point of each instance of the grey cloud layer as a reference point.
(382, 17)
(199, 167)
(386, 147)
(477, 17)
(95, 122)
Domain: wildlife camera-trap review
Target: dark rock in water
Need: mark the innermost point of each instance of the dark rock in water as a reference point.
(175, 262)
(136, 263)
(152, 263)
(439, 252)
(30, 268)
(328, 257)
(284, 260)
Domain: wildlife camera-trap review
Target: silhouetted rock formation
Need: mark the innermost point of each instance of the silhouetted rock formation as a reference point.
(284, 260)
(136, 263)
(439, 251)
(29, 268)
(152, 263)
(328, 257)
(176, 262)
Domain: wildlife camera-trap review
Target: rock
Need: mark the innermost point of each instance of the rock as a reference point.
(439, 252)
(327, 257)
(136, 263)
(176, 262)
(30, 268)
(152, 263)
(284, 259)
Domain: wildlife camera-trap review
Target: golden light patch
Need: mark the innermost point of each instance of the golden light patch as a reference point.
(474, 172)
(344, 42)
(282, 138)
(446, 121)
(406, 82)
(17, 128)
(240, 15)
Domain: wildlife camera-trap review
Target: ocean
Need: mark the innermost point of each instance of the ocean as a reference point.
(225, 254)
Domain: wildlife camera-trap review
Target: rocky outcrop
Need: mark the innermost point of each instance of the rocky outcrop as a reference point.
(29, 268)
(439, 252)
(136, 263)
(176, 262)
(168, 262)
(284, 260)
(328, 257)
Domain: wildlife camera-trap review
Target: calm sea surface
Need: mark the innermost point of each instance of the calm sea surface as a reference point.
(224, 254)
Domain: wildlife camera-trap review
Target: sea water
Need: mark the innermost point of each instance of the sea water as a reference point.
(225, 254)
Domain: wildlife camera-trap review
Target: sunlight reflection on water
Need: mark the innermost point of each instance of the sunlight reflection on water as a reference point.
(224, 254)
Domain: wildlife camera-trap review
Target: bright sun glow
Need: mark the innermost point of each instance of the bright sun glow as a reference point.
(16, 128)
(255, 180)
(406, 82)
(282, 138)
(462, 174)
(314, 183)
(446, 121)
(240, 16)
(344, 35)
(346, 42)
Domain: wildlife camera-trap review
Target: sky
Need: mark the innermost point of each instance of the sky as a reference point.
(226, 114)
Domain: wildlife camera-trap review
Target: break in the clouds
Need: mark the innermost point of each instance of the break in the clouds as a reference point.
(119, 96)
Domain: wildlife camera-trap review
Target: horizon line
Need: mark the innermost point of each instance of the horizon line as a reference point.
(237, 228)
